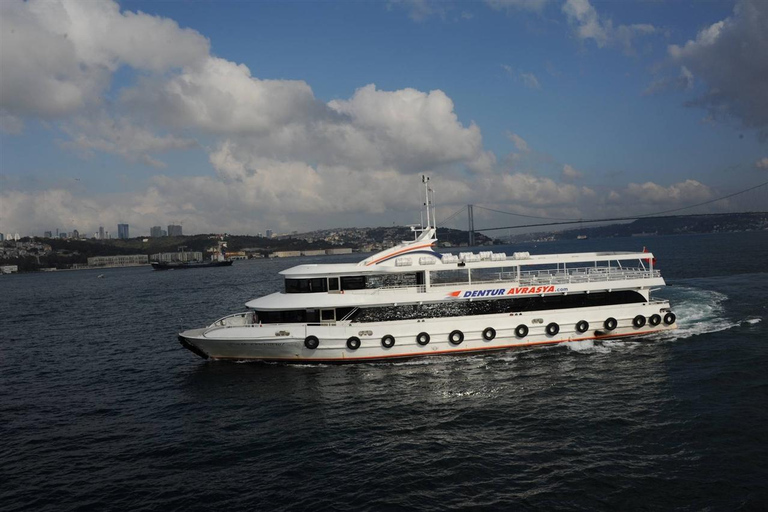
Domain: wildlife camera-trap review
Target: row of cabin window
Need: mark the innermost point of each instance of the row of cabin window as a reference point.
(301, 316)
(326, 284)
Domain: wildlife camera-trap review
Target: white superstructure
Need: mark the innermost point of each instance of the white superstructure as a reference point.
(410, 301)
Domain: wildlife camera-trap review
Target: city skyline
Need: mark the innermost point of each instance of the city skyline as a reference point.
(240, 117)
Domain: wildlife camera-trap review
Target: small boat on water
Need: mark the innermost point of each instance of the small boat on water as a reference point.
(411, 301)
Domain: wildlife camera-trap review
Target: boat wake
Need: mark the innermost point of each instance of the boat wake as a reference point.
(698, 311)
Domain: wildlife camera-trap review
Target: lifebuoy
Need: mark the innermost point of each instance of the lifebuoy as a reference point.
(610, 323)
(638, 321)
(654, 320)
(456, 337)
(489, 333)
(552, 328)
(582, 326)
(311, 342)
(521, 331)
(388, 341)
(353, 343)
(669, 318)
(422, 338)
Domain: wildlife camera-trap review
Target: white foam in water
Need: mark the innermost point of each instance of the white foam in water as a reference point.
(587, 346)
(753, 321)
(698, 312)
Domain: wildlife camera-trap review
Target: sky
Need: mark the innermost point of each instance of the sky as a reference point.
(240, 117)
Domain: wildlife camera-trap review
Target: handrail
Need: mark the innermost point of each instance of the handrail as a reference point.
(577, 275)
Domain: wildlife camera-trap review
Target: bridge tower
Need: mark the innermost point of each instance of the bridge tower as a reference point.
(471, 229)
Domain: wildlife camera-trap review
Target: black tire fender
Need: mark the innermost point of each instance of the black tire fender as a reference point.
(456, 337)
(521, 331)
(311, 342)
(422, 338)
(610, 323)
(388, 341)
(638, 321)
(669, 318)
(353, 343)
(489, 333)
(582, 326)
(654, 320)
(552, 328)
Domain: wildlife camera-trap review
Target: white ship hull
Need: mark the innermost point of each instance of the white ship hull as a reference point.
(286, 342)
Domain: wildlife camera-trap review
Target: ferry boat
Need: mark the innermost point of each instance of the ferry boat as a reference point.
(411, 301)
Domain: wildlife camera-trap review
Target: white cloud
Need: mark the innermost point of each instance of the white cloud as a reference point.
(530, 80)
(649, 193)
(731, 58)
(58, 56)
(220, 96)
(519, 142)
(588, 24)
(120, 137)
(420, 10)
(569, 173)
(683, 82)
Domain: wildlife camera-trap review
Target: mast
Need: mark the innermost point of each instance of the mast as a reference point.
(425, 179)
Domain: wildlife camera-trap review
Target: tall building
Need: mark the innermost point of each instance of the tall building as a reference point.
(269, 233)
(101, 232)
(2, 237)
(75, 234)
(156, 232)
(122, 231)
(174, 230)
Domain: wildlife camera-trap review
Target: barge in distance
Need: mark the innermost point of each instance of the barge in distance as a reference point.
(411, 301)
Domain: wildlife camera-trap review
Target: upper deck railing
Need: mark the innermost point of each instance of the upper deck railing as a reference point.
(552, 277)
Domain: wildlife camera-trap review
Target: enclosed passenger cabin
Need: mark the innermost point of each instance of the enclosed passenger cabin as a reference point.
(457, 285)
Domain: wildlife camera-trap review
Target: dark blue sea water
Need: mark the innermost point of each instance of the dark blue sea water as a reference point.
(101, 409)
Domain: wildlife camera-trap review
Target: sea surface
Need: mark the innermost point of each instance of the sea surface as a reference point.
(102, 409)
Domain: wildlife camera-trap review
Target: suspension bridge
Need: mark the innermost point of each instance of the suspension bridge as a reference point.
(750, 200)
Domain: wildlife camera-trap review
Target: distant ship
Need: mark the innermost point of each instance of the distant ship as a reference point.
(174, 265)
(182, 263)
(582, 237)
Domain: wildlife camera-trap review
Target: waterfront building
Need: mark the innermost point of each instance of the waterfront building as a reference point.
(101, 233)
(156, 232)
(9, 269)
(48, 234)
(75, 234)
(174, 230)
(269, 233)
(285, 254)
(122, 231)
(122, 260)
